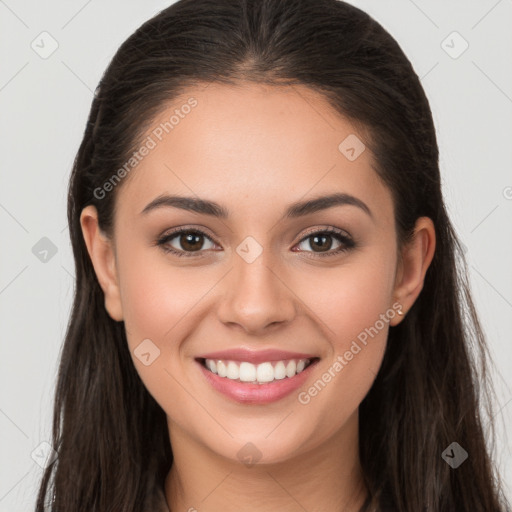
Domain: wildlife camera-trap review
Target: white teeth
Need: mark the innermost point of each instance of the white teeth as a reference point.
(291, 368)
(221, 368)
(247, 372)
(233, 371)
(261, 373)
(211, 366)
(265, 372)
(279, 371)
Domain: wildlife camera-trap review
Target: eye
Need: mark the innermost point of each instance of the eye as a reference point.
(190, 240)
(322, 240)
(185, 242)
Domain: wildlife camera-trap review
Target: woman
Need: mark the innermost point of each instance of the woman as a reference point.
(269, 312)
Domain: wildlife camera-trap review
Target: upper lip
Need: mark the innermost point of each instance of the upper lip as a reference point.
(255, 356)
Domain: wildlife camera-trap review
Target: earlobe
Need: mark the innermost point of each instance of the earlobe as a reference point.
(101, 252)
(417, 256)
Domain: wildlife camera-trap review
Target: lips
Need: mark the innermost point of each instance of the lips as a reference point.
(260, 393)
(255, 356)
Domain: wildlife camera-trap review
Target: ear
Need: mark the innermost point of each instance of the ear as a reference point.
(416, 258)
(101, 252)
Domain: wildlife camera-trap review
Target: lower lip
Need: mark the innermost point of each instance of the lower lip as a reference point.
(257, 393)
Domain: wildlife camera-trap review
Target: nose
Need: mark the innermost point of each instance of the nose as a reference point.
(256, 298)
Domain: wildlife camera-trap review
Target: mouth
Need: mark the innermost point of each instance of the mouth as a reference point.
(256, 376)
(251, 384)
(267, 372)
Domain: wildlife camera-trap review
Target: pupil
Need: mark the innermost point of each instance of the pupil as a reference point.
(191, 241)
(323, 238)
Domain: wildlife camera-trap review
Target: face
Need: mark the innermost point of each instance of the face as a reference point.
(255, 278)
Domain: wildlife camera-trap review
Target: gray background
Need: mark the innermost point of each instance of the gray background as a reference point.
(44, 104)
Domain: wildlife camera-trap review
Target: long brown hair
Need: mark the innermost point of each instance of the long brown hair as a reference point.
(110, 434)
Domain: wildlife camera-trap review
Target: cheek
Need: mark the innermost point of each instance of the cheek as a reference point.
(155, 295)
(159, 302)
(353, 304)
(162, 306)
(350, 297)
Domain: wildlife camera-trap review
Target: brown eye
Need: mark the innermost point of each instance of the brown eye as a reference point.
(183, 241)
(191, 241)
(321, 242)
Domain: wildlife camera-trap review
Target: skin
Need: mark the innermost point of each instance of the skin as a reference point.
(255, 150)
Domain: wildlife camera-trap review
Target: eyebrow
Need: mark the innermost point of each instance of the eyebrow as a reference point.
(294, 210)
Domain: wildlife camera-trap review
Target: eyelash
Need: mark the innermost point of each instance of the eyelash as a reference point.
(347, 242)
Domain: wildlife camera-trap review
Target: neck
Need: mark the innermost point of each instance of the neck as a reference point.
(325, 479)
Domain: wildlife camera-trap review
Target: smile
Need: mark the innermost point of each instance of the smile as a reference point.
(264, 382)
(243, 371)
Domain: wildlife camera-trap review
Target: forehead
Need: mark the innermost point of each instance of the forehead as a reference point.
(252, 144)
